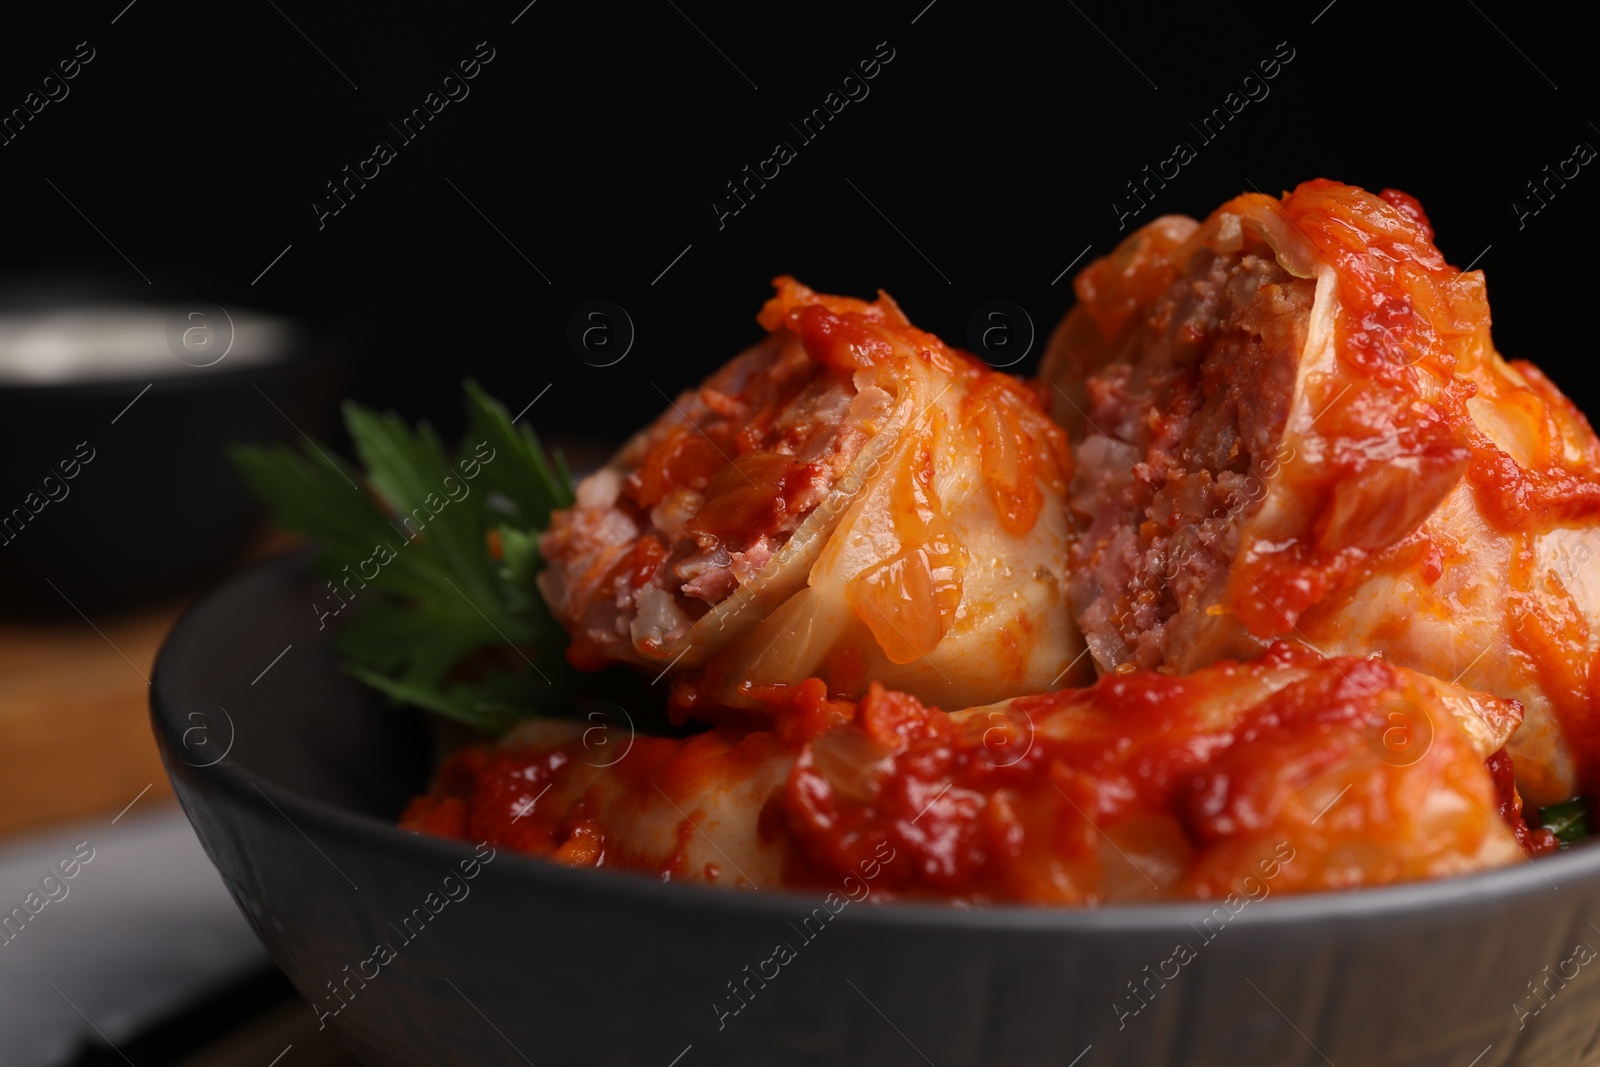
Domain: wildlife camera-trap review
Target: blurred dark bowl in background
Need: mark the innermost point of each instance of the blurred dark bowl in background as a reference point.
(157, 511)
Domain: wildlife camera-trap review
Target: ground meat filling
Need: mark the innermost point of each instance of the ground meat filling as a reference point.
(708, 497)
(1179, 450)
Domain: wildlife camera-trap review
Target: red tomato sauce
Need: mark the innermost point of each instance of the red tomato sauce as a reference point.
(1001, 805)
(1535, 842)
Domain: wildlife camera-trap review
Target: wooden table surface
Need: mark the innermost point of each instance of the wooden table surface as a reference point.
(75, 741)
(74, 718)
(75, 734)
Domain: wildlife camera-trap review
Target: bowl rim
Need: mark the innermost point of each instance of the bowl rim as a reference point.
(1505, 884)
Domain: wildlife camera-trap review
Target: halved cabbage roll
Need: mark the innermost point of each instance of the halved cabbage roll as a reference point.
(849, 498)
(1289, 421)
(1285, 774)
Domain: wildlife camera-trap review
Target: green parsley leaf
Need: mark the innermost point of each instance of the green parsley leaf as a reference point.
(1569, 820)
(434, 619)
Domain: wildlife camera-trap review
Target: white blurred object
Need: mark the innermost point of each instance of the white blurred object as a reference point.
(144, 928)
(114, 341)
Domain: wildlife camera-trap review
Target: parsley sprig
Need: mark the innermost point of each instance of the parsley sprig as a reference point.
(443, 624)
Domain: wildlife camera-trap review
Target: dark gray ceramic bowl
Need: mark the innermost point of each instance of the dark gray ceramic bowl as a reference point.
(293, 777)
(158, 512)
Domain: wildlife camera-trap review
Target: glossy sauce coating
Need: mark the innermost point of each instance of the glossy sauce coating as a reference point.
(1421, 498)
(851, 499)
(1339, 773)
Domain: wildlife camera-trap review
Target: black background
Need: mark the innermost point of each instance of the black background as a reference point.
(595, 141)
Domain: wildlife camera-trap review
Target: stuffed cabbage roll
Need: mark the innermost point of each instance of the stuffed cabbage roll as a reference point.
(851, 499)
(681, 809)
(1285, 774)
(1290, 422)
